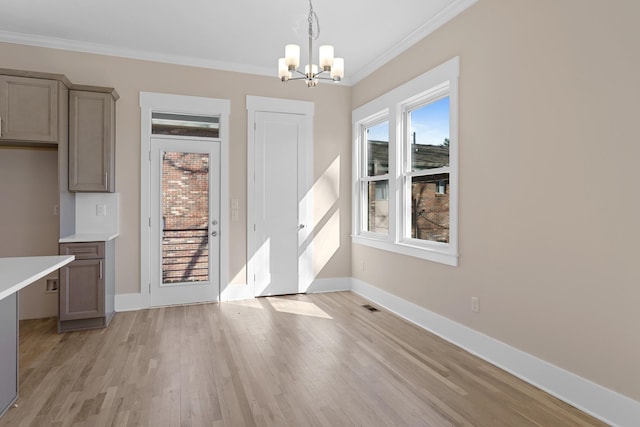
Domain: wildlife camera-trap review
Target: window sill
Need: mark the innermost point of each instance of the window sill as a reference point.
(410, 250)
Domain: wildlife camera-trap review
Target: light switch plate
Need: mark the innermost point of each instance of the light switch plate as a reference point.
(235, 204)
(101, 210)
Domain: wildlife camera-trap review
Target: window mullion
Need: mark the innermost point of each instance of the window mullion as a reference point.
(395, 174)
(406, 167)
(363, 206)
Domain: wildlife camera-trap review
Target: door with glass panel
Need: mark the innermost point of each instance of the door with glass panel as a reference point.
(185, 200)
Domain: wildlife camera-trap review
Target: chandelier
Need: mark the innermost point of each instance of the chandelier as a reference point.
(287, 66)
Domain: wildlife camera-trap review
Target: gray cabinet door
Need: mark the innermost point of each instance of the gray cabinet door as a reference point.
(8, 352)
(28, 109)
(91, 141)
(82, 290)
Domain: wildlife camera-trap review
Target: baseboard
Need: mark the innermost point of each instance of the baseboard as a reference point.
(611, 407)
(131, 302)
(236, 292)
(333, 284)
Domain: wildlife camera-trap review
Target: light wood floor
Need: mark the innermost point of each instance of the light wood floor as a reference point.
(303, 360)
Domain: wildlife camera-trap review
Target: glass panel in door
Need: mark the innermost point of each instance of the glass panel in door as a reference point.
(185, 217)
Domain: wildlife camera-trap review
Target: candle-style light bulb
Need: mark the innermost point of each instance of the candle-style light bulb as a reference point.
(292, 56)
(337, 70)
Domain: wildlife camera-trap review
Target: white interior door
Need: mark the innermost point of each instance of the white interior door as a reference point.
(279, 144)
(185, 216)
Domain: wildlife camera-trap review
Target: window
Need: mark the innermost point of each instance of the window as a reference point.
(405, 168)
(427, 171)
(185, 125)
(375, 182)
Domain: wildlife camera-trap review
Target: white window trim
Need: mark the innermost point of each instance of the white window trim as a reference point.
(393, 104)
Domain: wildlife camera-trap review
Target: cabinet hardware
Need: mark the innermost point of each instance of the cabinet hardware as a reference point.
(100, 277)
(0, 127)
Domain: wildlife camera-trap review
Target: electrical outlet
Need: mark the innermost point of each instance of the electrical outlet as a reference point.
(52, 286)
(235, 215)
(475, 304)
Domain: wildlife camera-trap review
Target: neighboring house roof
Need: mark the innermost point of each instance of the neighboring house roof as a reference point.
(424, 156)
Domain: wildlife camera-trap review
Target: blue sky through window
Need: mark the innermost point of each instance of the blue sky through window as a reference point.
(379, 132)
(430, 123)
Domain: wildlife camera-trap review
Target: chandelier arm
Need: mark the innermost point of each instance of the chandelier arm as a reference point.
(297, 78)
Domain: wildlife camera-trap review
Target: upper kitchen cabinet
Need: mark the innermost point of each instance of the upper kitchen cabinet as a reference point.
(29, 110)
(92, 122)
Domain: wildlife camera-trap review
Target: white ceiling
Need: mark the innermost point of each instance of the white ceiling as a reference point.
(241, 35)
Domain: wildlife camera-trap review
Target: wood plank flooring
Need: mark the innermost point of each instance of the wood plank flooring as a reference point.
(302, 360)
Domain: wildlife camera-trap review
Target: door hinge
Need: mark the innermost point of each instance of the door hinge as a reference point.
(149, 287)
(254, 125)
(149, 155)
(149, 221)
(254, 227)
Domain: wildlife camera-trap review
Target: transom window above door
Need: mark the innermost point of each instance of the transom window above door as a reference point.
(185, 125)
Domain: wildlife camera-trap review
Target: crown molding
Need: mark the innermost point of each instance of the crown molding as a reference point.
(101, 49)
(420, 33)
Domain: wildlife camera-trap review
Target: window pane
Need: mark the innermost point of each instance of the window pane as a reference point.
(430, 207)
(185, 125)
(378, 207)
(378, 149)
(429, 138)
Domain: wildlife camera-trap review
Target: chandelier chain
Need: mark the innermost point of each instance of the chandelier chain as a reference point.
(313, 18)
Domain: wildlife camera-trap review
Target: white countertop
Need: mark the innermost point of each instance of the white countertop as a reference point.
(18, 272)
(88, 237)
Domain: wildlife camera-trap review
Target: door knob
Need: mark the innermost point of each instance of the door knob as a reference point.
(214, 233)
(301, 226)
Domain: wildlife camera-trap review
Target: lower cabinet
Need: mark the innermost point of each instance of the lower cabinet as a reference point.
(87, 286)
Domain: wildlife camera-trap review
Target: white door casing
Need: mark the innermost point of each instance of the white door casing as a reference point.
(180, 104)
(196, 291)
(280, 173)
